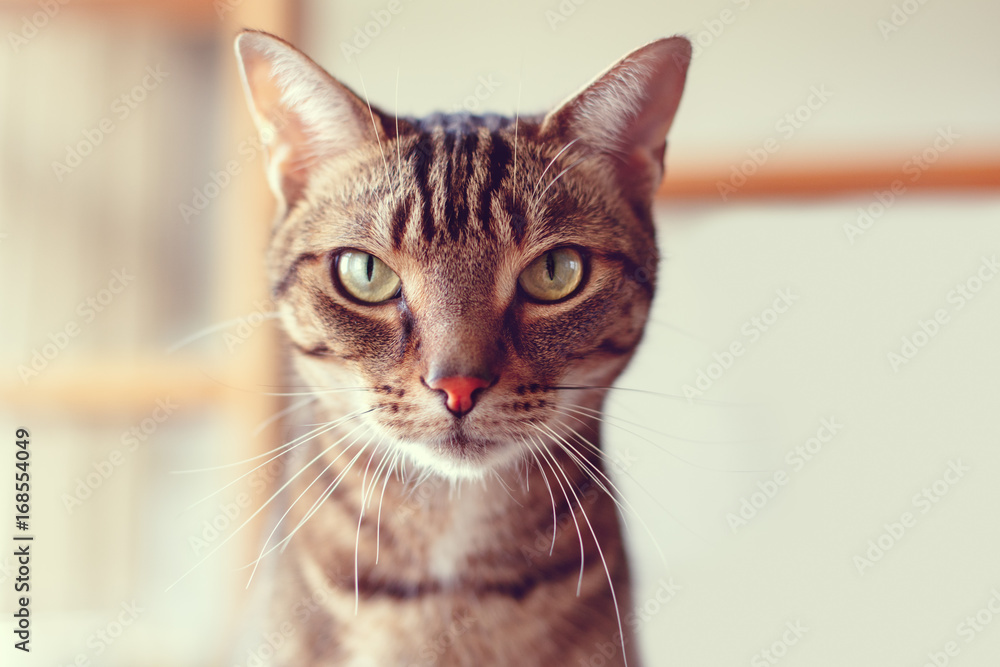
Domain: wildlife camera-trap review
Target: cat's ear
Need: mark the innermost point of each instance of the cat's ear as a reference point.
(627, 111)
(304, 115)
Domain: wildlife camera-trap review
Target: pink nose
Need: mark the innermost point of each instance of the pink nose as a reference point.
(459, 390)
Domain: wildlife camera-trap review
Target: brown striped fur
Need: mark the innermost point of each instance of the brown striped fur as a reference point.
(462, 512)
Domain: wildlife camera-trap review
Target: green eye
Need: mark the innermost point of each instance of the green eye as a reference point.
(366, 277)
(553, 275)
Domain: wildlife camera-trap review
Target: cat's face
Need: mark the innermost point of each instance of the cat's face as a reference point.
(469, 276)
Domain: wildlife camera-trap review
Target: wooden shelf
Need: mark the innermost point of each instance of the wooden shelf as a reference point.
(828, 179)
(105, 386)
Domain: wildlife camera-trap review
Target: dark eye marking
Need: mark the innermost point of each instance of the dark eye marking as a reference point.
(288, 279)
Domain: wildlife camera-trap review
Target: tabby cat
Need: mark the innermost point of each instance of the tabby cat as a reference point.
(459, 292)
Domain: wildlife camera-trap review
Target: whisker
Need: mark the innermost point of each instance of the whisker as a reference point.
(572, 511)
(317, 392)
(656, 444)
(545, 478)
(504, 486)
(378, 518)
(249, 519)
(695, 441)
(283, 544)
(361, 515)
(517, 117)
(560, 175)
(656, 500)
(600, 552)
(371, 113)
(399, 154)
(292, 504)
(211, 329)
(551, 162)
(290, 444)
(676, 397)
(281, 413)
(578, 458)
(627, 506)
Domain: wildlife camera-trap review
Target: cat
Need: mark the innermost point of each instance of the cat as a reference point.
(459, 292)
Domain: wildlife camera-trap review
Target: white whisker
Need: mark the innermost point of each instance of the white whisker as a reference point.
(357, 534)
(600, 552)
(545, 478)
(551, 162)
(517, 118)
(281, 413)
(378, 135)
(378, 518)
(251, 518)
(222, 326)
(559, 175)
(399, 154)
(543, 451)
(291, 505)
(291, 444)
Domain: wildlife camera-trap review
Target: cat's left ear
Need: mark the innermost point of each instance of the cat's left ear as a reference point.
(627, 111)
(304, 115)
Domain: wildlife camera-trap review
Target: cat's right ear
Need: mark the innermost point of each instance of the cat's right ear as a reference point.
(304, 115)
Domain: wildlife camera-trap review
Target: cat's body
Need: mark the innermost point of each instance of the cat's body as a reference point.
(476, 283)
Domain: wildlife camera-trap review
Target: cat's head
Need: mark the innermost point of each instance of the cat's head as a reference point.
(470, 275)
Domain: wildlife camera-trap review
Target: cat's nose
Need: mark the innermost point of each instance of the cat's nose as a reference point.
(459, 391)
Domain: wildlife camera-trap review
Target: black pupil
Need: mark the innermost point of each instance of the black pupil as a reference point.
(371, 267)
(550, 265)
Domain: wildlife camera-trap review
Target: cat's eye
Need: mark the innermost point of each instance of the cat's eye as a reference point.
(553, 275)
(366, 277)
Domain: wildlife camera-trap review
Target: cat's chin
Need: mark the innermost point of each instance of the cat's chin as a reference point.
(460, 456)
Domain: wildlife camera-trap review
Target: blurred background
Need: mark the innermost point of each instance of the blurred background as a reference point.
(832, 209)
